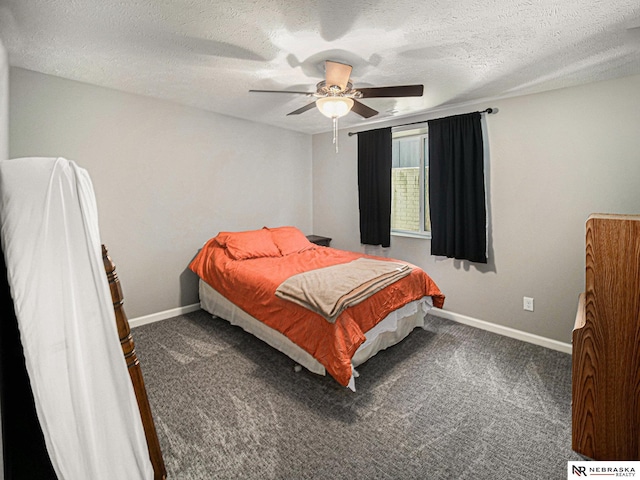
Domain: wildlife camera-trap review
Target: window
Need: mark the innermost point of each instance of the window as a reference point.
(409, 183)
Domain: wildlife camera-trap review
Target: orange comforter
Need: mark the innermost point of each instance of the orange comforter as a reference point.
(251, 285)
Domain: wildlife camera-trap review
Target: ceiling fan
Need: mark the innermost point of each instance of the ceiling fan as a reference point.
(336, 96)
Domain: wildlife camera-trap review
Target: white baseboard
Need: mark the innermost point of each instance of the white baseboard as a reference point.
(502, 330)
(156, 317)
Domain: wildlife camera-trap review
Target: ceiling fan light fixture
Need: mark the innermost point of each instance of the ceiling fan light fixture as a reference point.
(334, 107)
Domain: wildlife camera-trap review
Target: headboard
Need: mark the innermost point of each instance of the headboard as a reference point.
(66, 391)
(24, 446)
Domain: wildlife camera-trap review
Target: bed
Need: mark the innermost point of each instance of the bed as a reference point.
(342, 314)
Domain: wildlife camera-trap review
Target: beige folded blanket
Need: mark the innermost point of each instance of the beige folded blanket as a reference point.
(330, 290)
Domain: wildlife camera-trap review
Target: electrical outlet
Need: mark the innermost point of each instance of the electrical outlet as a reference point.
(527, 304)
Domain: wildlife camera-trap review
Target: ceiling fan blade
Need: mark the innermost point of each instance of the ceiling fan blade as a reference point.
(398, 91)
(308, 106)
(362, 110)
(337, 74)
(283, 91)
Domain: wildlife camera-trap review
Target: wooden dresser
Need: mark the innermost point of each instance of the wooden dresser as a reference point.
(606, 343)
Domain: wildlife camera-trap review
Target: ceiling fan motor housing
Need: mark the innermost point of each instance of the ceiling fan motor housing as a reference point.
(324, 90)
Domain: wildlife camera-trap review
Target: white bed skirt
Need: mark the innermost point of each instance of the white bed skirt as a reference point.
(390, 331)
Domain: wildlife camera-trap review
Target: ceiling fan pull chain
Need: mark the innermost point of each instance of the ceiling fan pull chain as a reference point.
(335, 132)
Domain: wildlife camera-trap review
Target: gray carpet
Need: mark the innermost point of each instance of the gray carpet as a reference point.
(448, 402)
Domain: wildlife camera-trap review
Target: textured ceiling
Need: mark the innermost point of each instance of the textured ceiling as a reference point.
(209, 54)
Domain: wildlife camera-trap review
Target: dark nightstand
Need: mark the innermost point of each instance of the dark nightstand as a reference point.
(318, 240)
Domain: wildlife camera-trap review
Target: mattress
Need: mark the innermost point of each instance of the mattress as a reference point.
(390, 331)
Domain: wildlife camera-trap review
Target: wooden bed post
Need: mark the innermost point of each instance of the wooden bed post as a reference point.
(133, 366)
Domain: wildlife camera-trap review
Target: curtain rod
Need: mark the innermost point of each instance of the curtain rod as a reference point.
(488, 111)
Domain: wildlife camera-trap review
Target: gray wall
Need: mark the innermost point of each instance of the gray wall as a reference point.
(167, 177)
(554, 158)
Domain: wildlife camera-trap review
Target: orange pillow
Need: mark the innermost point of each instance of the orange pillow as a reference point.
(248, 244)
(221, 238)
(290, 240)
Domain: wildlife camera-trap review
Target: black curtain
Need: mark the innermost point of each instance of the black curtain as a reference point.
(374, 186)
(456, 188)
